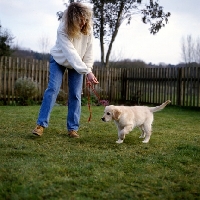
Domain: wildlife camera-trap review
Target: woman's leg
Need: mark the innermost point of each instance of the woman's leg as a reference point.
(75, 82)
(56, 72)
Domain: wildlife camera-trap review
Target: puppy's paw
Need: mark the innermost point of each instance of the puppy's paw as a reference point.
(145, 141)
(142, 136)
(119, 141)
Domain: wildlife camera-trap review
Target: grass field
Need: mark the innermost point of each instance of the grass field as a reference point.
(94, 166)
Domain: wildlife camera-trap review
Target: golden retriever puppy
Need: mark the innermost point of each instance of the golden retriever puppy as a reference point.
(127, 118)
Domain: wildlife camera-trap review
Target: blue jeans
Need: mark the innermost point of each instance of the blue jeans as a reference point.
(75, 81)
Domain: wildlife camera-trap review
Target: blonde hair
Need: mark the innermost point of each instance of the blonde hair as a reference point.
(73, 16)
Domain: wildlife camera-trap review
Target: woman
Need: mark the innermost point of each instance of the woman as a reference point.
(73, 50)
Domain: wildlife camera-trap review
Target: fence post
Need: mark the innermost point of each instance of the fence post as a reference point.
(179, 83)
(1, 75)
(124, 84)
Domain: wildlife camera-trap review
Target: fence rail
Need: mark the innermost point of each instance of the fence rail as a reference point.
(118, 85)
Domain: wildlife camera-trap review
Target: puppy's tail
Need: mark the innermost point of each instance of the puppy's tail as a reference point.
(158, 108)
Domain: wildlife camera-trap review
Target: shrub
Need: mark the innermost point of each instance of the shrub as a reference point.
(91, 101)
(62, 97)
(25, 90)
(94, 92)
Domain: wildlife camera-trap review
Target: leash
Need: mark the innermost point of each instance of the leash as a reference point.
(102, 102)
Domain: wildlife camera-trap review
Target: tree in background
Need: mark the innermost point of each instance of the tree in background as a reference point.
(44, 43)
(110, 14)
(6, 39)
(8, 48)
(190, 49)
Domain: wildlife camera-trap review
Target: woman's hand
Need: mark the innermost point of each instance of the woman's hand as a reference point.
(91, 78)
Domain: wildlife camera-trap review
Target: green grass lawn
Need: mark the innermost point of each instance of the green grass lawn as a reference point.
(94, 166)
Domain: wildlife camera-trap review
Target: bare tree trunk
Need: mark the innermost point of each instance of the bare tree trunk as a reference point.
(102, 35)
(44, 44)
(183, 48)
(114, 34)
(197, 51)
(188, 50)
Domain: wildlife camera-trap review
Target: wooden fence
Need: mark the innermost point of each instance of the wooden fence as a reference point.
(118, 85)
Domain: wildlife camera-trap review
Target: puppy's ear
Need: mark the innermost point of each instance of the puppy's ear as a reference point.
(116, 114)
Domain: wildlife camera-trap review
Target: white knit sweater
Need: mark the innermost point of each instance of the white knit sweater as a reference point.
(73, 53)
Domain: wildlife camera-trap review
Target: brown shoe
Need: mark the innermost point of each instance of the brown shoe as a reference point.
(73, 134)
(38, 130)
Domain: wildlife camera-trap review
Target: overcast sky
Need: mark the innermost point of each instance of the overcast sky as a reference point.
(29, 20)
